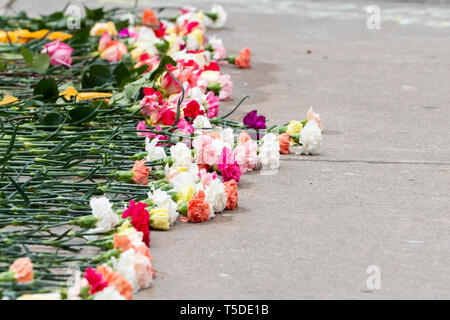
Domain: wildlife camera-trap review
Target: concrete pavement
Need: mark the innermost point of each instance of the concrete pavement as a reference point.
(378, 194)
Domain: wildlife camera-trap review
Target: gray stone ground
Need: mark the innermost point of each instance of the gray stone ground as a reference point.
(378, 194)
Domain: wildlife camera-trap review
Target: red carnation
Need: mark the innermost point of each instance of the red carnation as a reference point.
(95, 280)
(192, 110)
(140, 219)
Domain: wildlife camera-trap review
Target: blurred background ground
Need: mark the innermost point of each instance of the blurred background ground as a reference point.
(378, 194)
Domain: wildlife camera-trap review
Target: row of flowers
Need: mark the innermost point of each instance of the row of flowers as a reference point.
(202, 170)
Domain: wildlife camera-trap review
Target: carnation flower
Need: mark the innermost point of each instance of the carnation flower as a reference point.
(310, 138)
(201, 122)
(121, 242)
(246, 155)
(198, 209)
(294, 127)
(219, 50)
(243, 59)
(228, 166)
(217, 17)
(185, 127)
(216, 196)
(22, 268)
(226, 87)
(154, 152)
(109, 293)
(311, 115)
(140, 219)
(136, 268)
(149, 17)
(181, 154)
(151, 101)
(269, 155)
(232, 194)
(252, 120)
(101, 27)
(95, 281)
(59, 53)
(107, 219)
(162, 200)
(227, 136)
(212, 105)
(205, 153)
(284, 140)
(140, 172)
(206, 177)
(192, 109)
(116, 280)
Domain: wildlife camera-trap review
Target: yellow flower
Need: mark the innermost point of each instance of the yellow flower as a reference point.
(294, 127)
(197, 33)
(126, 229)
(200, 15)
(210, 76)
(41, 296)
(8, 99)
(186, 193)
(71, 92)
(100, 27)
(58, 35)
(159, 219)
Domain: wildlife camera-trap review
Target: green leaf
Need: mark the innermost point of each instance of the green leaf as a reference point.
(96, 76)
(79, 37)
(83, 113)
(51, 119)
(94, 14)
(162, 67)
(121, 73)
(47, 90)
(2, 65)
(41, 62)
(27, 55)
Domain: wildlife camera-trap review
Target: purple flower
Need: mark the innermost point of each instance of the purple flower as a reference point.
(252, 120)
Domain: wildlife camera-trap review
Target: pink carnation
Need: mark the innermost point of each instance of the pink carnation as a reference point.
(205, 153)
(212, 105)
(228, 166)
(151, 101)
(246, 155)
(226, 87)
(206, 177)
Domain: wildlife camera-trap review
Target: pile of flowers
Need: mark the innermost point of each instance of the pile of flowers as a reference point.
(141, 129)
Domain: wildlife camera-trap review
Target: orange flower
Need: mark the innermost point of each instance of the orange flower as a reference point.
(243, 60)
(121, 242)
(140, 172)
(23, 270)
(214, 135)
(149, 17)
(243, 137)
(198, 209)
(117, 280)
(232, 194)
(143, 249)
(284, 141)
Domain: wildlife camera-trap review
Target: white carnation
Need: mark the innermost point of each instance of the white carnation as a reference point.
(310, 138)
(183, 179)
(146, 41)
(181, 155)
(164, 201)
(154, 152)
(269, 155)
(216, 196)
(108, 293)
(227, 136)
(125, 265)
(201, 122)
(221, 17)
(102, 210)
